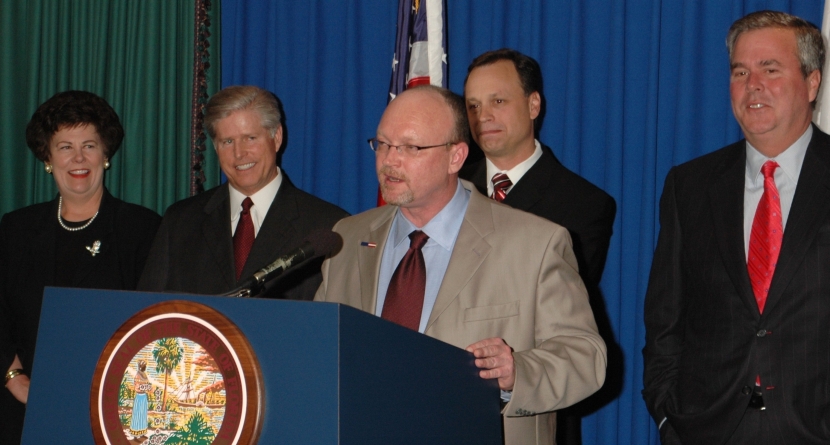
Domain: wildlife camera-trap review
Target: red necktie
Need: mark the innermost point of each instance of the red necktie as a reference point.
(501, 183)
(405, 296)
(765, 238)
(243, 238)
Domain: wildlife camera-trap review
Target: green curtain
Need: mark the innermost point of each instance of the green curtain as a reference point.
(138, 55)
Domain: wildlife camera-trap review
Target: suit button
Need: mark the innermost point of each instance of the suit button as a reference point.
(761, 333)
(746, 390)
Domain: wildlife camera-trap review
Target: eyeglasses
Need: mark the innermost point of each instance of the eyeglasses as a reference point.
(411, 150)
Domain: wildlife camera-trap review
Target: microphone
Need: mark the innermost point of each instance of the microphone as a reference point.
(318, 243)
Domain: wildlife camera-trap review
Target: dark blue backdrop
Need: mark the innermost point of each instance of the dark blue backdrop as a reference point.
(632, 88)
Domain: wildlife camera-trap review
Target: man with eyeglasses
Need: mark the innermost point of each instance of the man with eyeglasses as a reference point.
(446, 261)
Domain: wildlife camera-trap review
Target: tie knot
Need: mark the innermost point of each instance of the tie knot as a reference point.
(417, 239)
(768, 169)
(501, 181)
(247, 204)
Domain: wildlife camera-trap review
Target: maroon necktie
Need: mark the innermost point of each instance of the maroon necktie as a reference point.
(765, 238)
(405, 296)
(501, 183)
(243, 238)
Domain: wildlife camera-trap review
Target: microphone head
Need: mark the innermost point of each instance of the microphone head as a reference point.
(324, 243)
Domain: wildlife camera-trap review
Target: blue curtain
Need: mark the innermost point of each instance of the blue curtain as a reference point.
(632, 88)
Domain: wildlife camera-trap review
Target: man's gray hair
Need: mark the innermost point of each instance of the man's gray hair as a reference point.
(811, 50)
(243, 97)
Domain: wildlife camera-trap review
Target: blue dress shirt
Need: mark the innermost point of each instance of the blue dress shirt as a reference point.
(442, 231)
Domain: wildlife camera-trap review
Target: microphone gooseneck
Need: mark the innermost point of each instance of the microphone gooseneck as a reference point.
(318, 243)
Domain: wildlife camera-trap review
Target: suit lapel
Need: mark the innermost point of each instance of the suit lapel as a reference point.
(277, 233)
(469, 252)
(529, 190)
(726, 195)
(809, 210)
(216, 231)
(369, 258)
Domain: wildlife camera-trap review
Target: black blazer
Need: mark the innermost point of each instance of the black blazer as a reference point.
(193, 250)
(27, 265)
(705, 339)
(557, 194)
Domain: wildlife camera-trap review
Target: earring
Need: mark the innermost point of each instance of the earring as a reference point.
(48, 168)
(106, 165)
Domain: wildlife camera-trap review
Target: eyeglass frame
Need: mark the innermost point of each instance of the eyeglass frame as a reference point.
(400, 148)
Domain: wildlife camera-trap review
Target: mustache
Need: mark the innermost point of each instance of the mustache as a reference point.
(389, 171)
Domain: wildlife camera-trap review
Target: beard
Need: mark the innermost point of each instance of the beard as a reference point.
(401, 198)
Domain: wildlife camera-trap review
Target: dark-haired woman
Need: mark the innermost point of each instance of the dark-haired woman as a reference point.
(83, 238)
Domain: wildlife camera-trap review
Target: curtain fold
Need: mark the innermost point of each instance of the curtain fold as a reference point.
(137, 55)
(632, 88)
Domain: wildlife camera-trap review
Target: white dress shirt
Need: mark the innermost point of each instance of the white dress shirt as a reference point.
(514, 173)
(262, 202)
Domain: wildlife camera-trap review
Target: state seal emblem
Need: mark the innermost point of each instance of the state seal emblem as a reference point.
(177, 372)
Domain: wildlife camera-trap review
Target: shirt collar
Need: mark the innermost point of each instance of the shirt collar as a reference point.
(262, 199)
(789, 161)
(515, 173)
(442, 228)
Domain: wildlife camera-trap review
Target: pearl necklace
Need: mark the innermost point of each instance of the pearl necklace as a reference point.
(72, 229)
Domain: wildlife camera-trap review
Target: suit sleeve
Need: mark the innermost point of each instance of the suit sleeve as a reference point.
(138, 226)
(321, 294)
(663, 310)
(569, 360)
(7, 345)
(595, 237)
(321, 291)
(155, 275)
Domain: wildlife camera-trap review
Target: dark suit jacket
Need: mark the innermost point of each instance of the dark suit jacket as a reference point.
(705, 339)
(557, 194)
(28, 262)
(193, 251)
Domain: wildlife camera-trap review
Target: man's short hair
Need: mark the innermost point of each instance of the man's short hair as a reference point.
(811, 51)
(530, 74)
(243, 97)
(461, 127)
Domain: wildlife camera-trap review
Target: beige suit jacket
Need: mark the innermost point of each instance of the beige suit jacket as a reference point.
(511, 275)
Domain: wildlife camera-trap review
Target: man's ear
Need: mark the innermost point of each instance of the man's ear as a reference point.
(534, 103)
(458, 154)
(278, 139)
(813, 83)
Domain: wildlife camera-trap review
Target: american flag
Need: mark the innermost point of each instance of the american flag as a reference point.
(420, 48)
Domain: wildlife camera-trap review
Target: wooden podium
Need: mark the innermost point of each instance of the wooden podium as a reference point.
(325, 374)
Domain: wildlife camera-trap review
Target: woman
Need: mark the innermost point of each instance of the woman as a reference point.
(141, 385)
(83, 238)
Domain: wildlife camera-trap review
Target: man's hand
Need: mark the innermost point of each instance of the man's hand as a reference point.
(18, 386)
(495, 359)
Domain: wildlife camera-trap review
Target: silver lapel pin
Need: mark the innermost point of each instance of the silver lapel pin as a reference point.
(95, 249)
